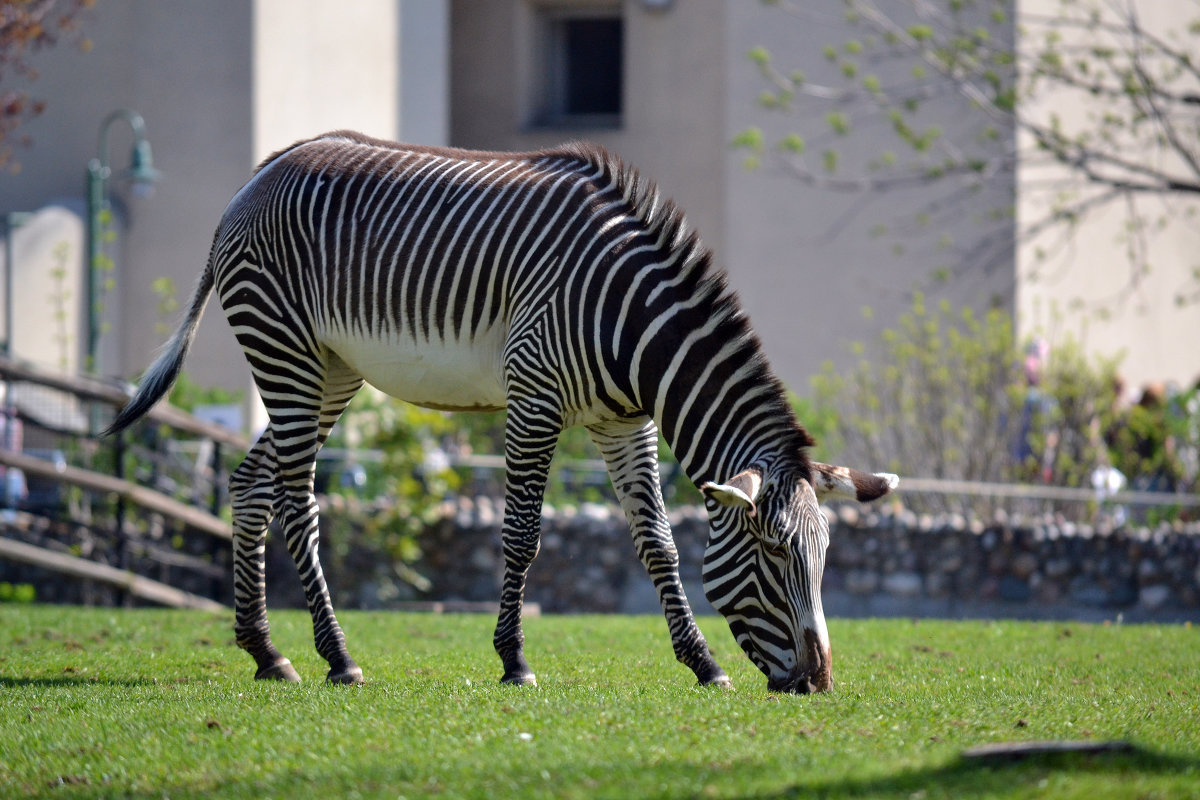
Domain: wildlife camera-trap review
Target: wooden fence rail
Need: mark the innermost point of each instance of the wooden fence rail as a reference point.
(94, 390)
(91, 390)
(82, 568)
(138, 495)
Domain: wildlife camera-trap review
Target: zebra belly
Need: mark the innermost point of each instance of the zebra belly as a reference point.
(449, 376)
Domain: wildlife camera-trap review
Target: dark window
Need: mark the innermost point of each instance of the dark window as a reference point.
(580, 78)
(592, 66)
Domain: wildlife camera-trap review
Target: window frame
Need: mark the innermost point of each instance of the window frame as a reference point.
(550, 84)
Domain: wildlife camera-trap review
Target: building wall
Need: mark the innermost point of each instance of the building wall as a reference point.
(673, 100)
(321, 66)
(799, 257)
(1085, 286)
(220, 84)
(813, 278)
(223, 83)
(425, 72)
(186, 68)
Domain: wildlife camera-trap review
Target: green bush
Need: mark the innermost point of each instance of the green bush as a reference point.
(936, 396)
(376, 538)
(17, 593)
(944, 394)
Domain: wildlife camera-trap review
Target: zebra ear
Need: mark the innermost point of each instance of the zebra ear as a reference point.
(851, 484)
(741, 491)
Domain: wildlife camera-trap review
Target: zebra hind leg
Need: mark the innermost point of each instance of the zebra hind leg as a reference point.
(299, 520)
(252, 492)
(530, 436)
(630, 452)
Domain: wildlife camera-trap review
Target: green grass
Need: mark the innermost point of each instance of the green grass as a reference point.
(151, 703)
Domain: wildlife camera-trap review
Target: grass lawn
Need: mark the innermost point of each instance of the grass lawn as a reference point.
(154, 703)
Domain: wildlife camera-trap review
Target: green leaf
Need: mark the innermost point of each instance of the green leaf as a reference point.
(922, 33)
(839, 122)
(750, 139)
(792, 143)
(759, 55)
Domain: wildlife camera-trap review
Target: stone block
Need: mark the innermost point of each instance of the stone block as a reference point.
(862, 582)
(1154, 597)
(903, 584)
(1023, 565)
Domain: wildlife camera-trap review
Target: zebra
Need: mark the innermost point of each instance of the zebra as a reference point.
(559, 285)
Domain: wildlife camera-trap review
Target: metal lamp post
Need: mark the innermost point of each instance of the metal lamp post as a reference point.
(143, 175)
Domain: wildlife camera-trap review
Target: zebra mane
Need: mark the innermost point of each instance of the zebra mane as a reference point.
(662, 216)
(659, 214)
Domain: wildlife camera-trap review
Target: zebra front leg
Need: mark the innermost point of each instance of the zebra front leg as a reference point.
(530, 436)
(252, 493)
(630, 452)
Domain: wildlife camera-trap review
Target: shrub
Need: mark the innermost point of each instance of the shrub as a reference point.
(948, 393)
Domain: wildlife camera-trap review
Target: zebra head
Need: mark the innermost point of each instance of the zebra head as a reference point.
(764, 562)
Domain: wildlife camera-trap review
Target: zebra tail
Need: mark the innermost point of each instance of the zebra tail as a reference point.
(161, 375)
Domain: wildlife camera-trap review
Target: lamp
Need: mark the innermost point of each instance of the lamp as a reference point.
(143, 176)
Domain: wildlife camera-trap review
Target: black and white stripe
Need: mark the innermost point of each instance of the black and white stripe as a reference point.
(559, 285)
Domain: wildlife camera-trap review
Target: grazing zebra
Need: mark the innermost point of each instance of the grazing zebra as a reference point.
(558, 285)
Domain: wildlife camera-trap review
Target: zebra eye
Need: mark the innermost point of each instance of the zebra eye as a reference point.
(774, 537)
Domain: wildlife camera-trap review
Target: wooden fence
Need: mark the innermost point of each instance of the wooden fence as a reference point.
(46, 540)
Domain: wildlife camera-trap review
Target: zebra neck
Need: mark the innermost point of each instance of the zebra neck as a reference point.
(719, 421)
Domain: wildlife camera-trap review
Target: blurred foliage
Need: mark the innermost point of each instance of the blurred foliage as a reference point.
(410, 476)
(1095, 99)
(17, 593)
(187, 394)
(415, 440)
(946, 394)
(60, 298)
(935, 397)
(27, 26)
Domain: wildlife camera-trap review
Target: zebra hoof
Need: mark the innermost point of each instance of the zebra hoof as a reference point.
(709, 673)
(350, 676)
(720, 681)
(520, 679)
(279, 671)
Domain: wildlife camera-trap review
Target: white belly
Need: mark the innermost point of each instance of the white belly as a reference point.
(453, 376)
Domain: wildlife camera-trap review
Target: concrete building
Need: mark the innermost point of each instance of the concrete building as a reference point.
(1083, 285)
(223, 83)
(220, 85)
(688, 86)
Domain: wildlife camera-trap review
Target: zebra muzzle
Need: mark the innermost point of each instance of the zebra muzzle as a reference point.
(810, 676)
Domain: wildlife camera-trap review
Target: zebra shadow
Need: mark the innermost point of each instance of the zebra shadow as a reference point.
(70, 681)
(1001, 775)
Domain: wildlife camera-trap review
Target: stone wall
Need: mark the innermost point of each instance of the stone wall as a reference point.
(879, 563)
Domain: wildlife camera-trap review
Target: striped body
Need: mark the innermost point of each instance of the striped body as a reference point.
(557, 285)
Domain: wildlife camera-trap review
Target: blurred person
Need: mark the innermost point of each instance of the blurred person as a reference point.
(1037, 441)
